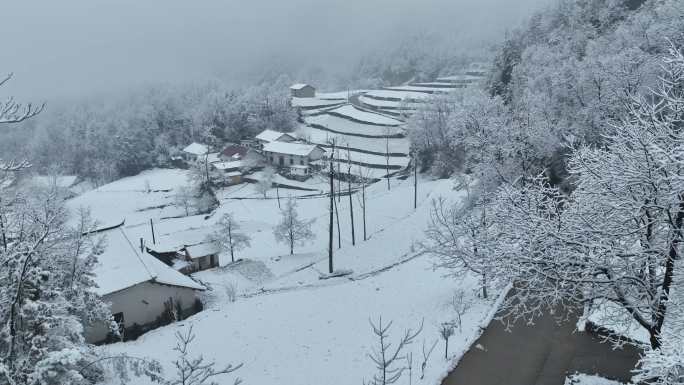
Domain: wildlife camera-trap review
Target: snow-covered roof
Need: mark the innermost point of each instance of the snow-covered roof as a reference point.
(202, 249)
(234, 173)
(122, 265)
(228, 165)
(299, 86)
(299, 166)
(272, 136)
(300, 149)
(196, 149)
(213, 157)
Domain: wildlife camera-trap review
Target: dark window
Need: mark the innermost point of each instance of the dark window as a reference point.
(291, 161)
(119, 319)
(281, 161)
(301, 162)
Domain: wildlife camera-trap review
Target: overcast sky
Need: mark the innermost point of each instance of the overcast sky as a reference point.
(75, 47)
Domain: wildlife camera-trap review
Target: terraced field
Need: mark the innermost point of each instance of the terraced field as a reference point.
(370, 123)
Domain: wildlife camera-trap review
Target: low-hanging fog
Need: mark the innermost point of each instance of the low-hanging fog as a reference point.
(76, 47)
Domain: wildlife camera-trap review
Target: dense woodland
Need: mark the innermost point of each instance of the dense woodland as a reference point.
(572, 154)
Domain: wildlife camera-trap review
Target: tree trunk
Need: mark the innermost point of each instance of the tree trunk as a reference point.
(446, 349)
(339, 232)
(484, 285)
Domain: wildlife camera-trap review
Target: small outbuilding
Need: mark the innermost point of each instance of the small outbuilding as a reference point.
(229, 173)
(302, 90)
(199, 257)
(268, 136)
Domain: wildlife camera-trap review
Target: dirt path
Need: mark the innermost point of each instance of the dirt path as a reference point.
(541, 354)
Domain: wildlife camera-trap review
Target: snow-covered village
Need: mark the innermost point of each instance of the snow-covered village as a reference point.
(444, 193)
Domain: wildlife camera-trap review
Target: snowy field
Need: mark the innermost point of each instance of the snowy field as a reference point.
(346, 126)
(354, 113)
(388, 104)
(397, 95)
(585, 379)
(288, 326)
(315, 135)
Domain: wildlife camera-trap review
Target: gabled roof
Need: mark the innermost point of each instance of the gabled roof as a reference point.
(272, 136)
(122, 265)
(196, 149)
(202, 250)
(300, 149)
(299, 86)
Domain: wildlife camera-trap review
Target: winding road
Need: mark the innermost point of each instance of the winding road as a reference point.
(541, 354)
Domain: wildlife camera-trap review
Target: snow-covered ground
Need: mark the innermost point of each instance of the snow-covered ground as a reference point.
(354, 113)
(586, 379)
(315, 135)
(287, 325)
(388, 104)
(346, 126)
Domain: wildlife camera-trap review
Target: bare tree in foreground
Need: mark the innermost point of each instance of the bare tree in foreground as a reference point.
(229, 237)
(387, 358)
(196, 371)
(426, 357)
(13, 112)
(292, 230)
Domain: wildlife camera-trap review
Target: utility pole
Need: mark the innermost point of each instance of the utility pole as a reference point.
(154, 241)
(387, 156)
(415, 180)
(351, 204)
(330, 227)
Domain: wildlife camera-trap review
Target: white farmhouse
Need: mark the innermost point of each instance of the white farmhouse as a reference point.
(297, 157)
(268, 136)
(137, 286)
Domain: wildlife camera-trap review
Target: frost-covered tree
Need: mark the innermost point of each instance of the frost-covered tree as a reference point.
(615, 241)
(266, 182)
(46, 297)
(228, 236)
(291, 230)
(464, 239)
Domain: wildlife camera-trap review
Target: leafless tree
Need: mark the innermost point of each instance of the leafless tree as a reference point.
(426, 357)
(446, 330)
(266, 181)
(196, 371)
(365, 177)
(184, 198)
(461, 305)
(385, 357)
(351, 200)
(13, 112)
(463, 237)
(229, 237)
(291, 229)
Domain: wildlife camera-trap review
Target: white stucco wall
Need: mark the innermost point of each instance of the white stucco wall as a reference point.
(141, 304)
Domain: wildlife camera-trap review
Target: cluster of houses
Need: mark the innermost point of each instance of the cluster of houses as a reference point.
(284, 151)
(146, 284)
